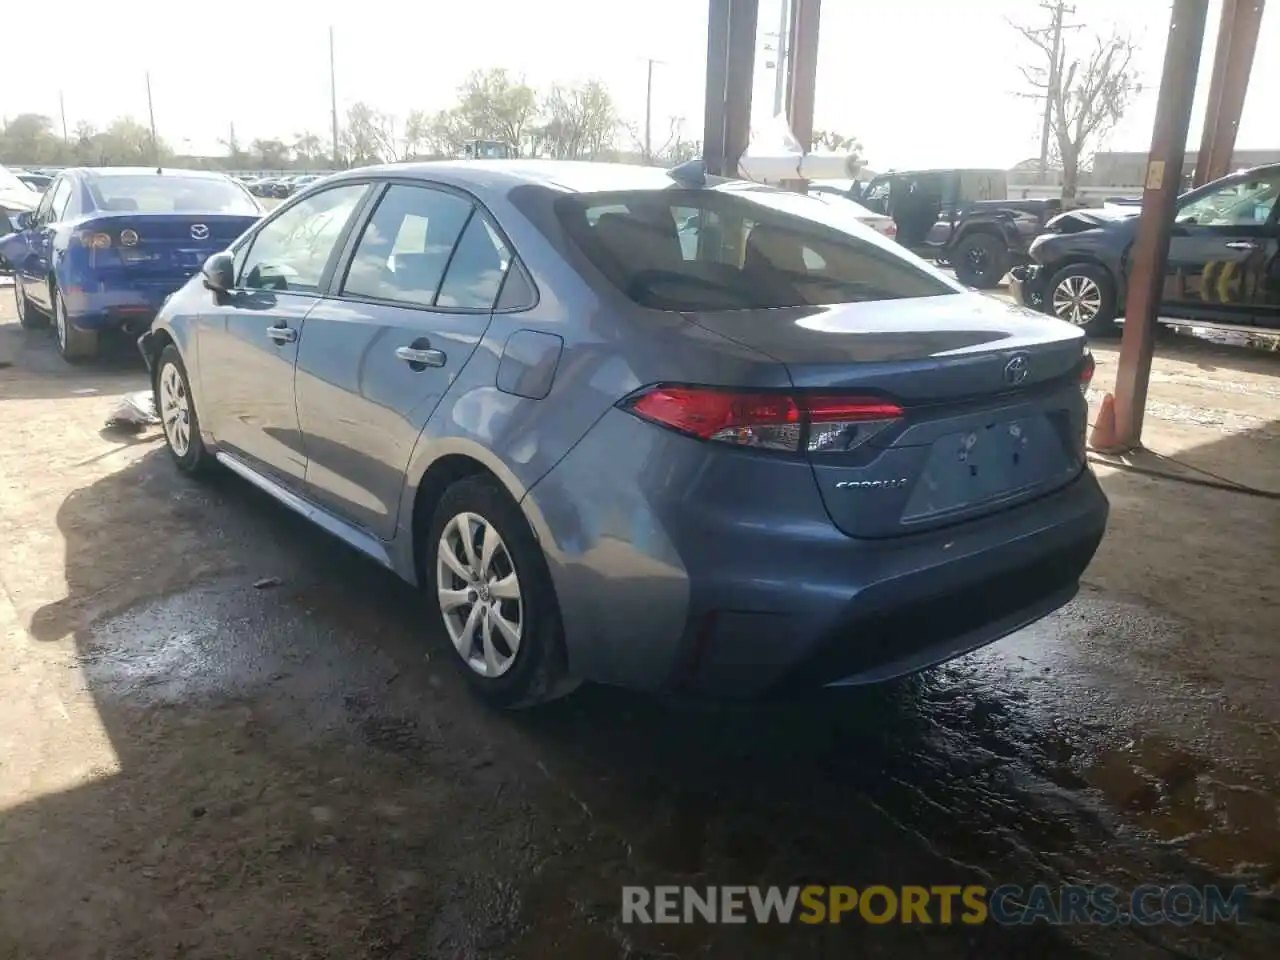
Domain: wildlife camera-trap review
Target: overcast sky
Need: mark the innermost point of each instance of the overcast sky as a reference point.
(920, 82)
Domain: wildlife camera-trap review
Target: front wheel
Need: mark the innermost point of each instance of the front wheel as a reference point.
(488, 578)
(981, 260)
(1083, 294)
(28, 315)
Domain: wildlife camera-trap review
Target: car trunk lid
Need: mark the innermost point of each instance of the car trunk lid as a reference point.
(992, 413)
(160, 244)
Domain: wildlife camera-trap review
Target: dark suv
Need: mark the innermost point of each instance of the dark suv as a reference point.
(960, 217)
(1223, 267)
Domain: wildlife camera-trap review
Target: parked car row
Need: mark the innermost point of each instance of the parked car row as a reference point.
(281, 186)
(963, 218)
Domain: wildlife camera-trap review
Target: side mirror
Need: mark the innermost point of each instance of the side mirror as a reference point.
(25, 220)
(219, 272)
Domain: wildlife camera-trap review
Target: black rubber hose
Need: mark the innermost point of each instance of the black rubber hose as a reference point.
(1228, 485)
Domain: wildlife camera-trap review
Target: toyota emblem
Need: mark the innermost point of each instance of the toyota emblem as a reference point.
(1015, 371)
(199, 231)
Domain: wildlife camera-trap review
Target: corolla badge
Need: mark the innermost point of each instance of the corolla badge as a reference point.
(1015, 371)
(199, 231)
(896, 484)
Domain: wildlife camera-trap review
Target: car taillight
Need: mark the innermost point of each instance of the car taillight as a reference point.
(94, 241)
(816, 423)
(1087, 367)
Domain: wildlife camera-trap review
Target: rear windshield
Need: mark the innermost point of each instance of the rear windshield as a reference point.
(167, 193)
(740, 249)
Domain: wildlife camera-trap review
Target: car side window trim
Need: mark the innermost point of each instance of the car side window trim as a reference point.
(332, 290)
(242, 250)
(46, 202)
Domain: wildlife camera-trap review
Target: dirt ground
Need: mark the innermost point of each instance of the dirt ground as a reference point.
(192, 765)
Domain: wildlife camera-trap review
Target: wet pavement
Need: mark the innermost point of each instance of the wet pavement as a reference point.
(298, 770)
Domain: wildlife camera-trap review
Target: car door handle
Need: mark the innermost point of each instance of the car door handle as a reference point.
(1241, 245)
(282, 334)
(421, 356)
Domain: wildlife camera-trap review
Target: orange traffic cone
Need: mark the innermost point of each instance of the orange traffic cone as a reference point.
(1103, 436)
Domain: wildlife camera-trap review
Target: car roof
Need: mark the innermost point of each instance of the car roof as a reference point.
(566, 176)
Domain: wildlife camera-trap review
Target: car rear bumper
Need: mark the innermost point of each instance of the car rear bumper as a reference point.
(1026, 283)
(129, 309)
(716, 572)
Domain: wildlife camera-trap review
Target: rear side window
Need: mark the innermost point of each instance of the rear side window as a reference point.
(709, 250)
(479, 263)
(405, 248)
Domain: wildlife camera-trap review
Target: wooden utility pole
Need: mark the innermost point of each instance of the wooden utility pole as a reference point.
(155, 141)
(1058, 10)
(333, 103)
(648, 111)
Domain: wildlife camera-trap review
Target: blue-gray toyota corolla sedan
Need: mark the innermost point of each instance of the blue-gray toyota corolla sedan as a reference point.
(641, 427)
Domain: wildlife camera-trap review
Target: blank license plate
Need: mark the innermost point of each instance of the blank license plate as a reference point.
(964, 469)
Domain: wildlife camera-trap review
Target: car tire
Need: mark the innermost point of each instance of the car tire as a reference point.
(175, 404)
(28, 316)
(523, 662)
(74, 344)
(1082, 294)
(980, 260)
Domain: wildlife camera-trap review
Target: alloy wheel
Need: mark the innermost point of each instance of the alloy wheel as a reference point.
(175, 409)
(479, 594)
(1077, 299)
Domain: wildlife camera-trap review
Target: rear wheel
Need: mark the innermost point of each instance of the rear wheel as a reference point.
(74, 344)
(1083, 294)
(28, 315)
(487, 576)
(177, 410)
(981, 260)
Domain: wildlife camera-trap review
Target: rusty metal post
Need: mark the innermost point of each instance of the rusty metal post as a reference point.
(1159, 198)
(740, 80)
(731, 57)
(802, 68)
(1232, 64)
(717, 65)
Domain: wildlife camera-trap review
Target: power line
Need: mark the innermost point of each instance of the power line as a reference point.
(648, 106)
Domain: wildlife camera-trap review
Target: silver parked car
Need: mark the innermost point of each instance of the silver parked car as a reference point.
(783, 451)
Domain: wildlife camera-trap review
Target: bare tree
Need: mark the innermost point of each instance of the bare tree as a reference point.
(675, 149)
(1087, 96)
(581, 121)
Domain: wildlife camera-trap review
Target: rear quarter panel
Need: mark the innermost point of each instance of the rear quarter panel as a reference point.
(611, 348)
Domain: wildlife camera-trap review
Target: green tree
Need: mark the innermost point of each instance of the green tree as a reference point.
(492, 105)
(29, 139)
(269, 153)
(308, 149)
